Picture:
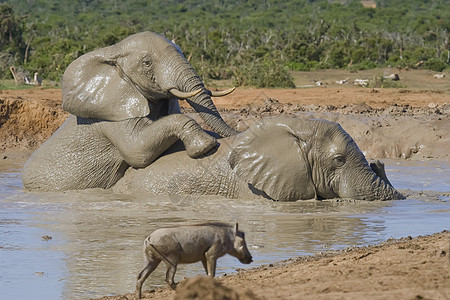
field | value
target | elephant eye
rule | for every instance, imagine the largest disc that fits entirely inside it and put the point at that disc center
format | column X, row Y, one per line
column 339, row 160
column 147, row 63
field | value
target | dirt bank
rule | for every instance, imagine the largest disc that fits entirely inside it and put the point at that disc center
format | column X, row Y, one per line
column 408, row 268
column 28, row 118
column 385, row 123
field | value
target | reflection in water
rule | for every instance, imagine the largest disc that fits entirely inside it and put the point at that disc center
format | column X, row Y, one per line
column 96, row 247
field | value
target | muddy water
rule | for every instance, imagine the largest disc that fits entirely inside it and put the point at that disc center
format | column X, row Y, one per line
column 96, row 235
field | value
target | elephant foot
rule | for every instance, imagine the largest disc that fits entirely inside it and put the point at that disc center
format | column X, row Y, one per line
column 196, row 141
column 199, row 144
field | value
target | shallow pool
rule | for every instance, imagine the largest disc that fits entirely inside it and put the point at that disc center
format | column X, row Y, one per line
column 96, row 236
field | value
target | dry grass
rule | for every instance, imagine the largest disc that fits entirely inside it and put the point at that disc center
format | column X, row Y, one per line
column 415, row 79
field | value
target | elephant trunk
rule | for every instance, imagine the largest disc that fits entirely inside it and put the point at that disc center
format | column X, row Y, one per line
column 188, row 81
column 204, row 106
column 370, row 187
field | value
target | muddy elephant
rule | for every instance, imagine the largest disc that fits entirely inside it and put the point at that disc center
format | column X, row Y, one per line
column 124, row 105
column 282, row 158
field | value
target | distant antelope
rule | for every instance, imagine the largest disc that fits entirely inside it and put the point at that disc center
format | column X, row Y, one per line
column 439, row 76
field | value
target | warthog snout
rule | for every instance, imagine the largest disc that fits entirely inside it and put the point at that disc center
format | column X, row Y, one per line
column 240, row 246
column 246, row 260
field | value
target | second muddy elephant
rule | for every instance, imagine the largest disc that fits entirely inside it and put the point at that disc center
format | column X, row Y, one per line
column 124, row 105
column 283, row 159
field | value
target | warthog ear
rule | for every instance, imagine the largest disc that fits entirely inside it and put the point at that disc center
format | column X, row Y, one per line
column 272, row 159
column 236, row 227
column 94, row 86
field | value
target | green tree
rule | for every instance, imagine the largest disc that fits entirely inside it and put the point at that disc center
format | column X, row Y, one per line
column 10, row 28
column 11, row 43
column 223, row 36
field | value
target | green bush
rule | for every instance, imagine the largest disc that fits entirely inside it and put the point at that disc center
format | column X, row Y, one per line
column 364, row 65
column 231, row 37
column 380, row 82
column 265, row 73
column 303, row 66
column 435, row 64
column 9, row 84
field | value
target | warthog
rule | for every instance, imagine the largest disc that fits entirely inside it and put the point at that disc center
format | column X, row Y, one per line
column 189, row 244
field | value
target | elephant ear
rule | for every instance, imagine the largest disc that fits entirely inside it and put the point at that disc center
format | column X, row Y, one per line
column 95, row 87
column 272, row 159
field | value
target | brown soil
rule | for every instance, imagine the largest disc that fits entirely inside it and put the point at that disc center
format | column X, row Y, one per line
column 408, row 268
column 385, row 123
column 405, row 123
column 337, row 96
column 28, row 118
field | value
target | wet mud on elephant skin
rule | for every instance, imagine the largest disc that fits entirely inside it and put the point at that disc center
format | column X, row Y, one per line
column 124, row 104
column 280, row 158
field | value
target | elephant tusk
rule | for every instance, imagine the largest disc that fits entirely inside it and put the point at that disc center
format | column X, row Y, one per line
column 222, row 93
column 183, row 95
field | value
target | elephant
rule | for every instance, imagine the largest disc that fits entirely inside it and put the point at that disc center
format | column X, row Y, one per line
column 281, row 158
column 123, row 101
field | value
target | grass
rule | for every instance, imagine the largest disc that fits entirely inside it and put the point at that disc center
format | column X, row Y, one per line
column 9, row 84
column 412, row 79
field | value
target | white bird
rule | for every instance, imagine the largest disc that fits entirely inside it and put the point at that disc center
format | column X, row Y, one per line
column 37, row 79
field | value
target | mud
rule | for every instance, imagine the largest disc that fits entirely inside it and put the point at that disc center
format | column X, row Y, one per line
column 207, row 288
column 28, row 118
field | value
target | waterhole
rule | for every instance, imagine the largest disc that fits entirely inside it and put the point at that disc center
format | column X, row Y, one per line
column 88, row 244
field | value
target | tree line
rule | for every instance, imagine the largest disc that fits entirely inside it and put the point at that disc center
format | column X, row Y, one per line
column 253, row 42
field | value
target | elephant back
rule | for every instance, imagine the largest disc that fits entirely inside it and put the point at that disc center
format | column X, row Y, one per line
column 64, row 162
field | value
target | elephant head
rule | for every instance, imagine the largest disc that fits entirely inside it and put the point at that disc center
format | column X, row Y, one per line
column 139, row 76
column 290, row 159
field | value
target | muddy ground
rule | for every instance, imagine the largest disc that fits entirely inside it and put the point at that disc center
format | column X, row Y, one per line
column 408, row 268
column 405, row 123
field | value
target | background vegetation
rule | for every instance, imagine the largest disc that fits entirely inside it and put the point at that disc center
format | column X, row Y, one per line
column 253, row 42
